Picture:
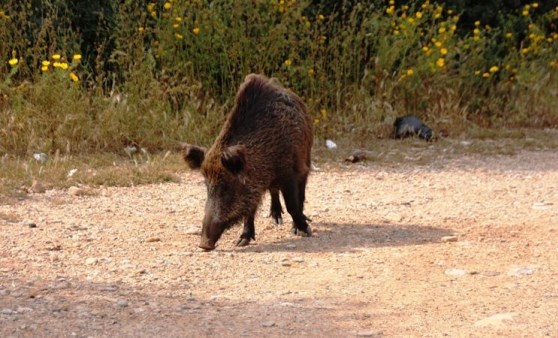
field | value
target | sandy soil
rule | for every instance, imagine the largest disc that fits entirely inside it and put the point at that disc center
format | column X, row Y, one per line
column 466, row 247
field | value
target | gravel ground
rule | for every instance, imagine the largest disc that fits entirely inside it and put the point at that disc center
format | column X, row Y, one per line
column 465, row 247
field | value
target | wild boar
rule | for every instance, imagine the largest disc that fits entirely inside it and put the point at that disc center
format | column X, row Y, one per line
column 264, row 144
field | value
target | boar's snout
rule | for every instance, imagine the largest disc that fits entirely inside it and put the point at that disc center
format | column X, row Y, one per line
column 206, row 244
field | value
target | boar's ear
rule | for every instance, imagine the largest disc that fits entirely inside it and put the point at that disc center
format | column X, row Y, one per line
column 193, row 155
column 234, row 159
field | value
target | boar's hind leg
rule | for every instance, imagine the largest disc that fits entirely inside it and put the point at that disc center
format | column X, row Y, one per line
column 292, row 197
column 276, row 209
column 248, row 232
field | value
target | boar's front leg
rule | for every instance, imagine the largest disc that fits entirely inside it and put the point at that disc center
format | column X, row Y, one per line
column 248, row 231
column 276, row 209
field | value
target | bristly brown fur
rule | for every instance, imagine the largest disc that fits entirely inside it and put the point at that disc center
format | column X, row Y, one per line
column 265, row 144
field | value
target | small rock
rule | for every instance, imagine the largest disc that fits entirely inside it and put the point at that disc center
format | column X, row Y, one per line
column 298, row 259
column 122, row 303
column 490, row 273
column 6, row 311
column 521, row 271
column 357, row 156
column 541, row 206
column 153, row 239
column 495, row 320
column 447, row 239
column 193, row 230
column 268, row 324
column 29, row 224
column 37, row 187
column 72, row 172
column 455, row 272
column 466, row 143
column 286, row 263
column 91, row 261
column 40, row 157
column 76, row 191
column 369, row 333
column 330, row 144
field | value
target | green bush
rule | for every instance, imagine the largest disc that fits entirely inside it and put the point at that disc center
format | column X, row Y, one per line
column 157, row 73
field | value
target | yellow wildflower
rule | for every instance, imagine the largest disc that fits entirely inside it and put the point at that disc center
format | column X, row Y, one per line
column 476, row 31
column 485, row 75
column 477, row 72
column 167, row 5
column 56, row 57
column 442, row 30
column 425, row 49
column 63, row 65
column 321, row 17
column 390, row 10
column 438, row 44
column 310, row 72
column 410, row 72
column 525, row 13
column 74, row 77
column 477, row 23
column 196, row 30
column 76, row 57
column 418, row 15
column 411, row 20
column 45, row 63
column 141, row 29
column 178, row 36
column 150, row 7
column 44, row 68
column 178, row 19
column 288, row 63
column 509, row 35
column 443, row 51
column 13, row 62
column 175, row 25
column 535, row 5
column 494, row 69
column 441, row 62
column 56, row 64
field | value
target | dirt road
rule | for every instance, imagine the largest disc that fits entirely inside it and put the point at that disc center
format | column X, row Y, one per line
column 466, row 247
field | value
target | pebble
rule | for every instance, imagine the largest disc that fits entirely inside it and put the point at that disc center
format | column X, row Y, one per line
column 447, row 239
column 455, row 272
column 521, row 271
column 268, row 324
column 286, row 263
column 298, row 259
column 6, row 311
column 153, row 239
column 91, row 261
column 122, row 303
column 193, row 230
column 76, row 191
column 29, row 224
column 369, row 333
column 37, row 187
column 495, row 320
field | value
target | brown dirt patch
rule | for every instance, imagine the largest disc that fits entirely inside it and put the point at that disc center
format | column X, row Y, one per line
column 120, row 261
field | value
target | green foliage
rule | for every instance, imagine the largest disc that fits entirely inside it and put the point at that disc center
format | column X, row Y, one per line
column 77, row 76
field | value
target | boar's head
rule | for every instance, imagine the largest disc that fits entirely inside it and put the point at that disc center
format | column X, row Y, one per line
column 229, row 197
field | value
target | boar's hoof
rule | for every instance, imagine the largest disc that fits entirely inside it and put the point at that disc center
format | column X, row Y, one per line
column 302, row 233
column 278, row 220
column 243, row 241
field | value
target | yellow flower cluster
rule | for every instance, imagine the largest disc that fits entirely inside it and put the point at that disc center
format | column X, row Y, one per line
column 59, row 63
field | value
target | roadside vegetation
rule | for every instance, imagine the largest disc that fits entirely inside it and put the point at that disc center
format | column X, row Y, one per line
column 77, row 80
